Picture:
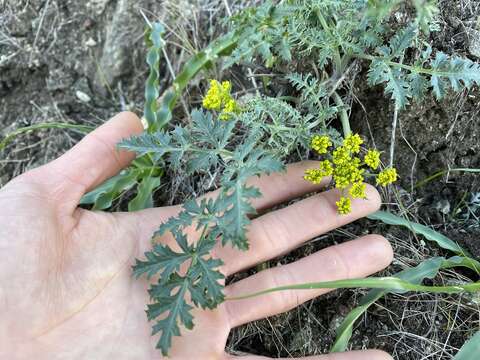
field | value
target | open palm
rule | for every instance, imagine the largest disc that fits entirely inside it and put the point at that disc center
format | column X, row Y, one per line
column 66, row 290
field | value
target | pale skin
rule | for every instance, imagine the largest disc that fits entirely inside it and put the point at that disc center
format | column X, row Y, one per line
column 66, row 287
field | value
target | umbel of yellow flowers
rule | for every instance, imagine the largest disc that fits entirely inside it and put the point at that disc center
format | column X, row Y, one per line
column 347, row 168
column 218, row 98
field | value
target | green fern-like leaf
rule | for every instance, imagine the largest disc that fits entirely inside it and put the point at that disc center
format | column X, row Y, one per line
column 206, row 142
column 236, row 202
column 396, row 84
column 460, row 72
column 200, row 283
column 401, row 41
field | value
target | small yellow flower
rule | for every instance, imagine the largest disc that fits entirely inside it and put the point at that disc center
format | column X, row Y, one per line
column 229, row 109
column 372, row 159
column 344, row 205
column 320, row 143
column 387, row 176
column 357, row 190
column 341, row 156
column 214, row 96
column 326, row 168
column 218, row 98
column 226, row 87
column 352, row 143
column 313, row 175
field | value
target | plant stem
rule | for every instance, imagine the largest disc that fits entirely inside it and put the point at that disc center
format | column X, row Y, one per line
column 83, row 129
column 442, row 172
column 343, row 114
column 389, row 283
column 414, row 69
column 326, row 28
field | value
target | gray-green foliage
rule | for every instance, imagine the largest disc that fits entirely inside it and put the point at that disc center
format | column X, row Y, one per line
column 334, row 33
column 237, row 150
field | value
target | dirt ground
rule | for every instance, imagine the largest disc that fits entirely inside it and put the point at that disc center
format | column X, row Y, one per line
column 81, row 62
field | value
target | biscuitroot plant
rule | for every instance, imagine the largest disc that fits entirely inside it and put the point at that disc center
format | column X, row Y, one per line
column 307, row 52
column 230, row 140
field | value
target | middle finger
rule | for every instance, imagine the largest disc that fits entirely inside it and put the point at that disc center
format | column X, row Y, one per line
column 280, row 231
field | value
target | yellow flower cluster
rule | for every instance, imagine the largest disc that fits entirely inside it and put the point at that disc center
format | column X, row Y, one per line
column 315, row 176
column 344, row 205
column 387, row 176
column 218, row 98
column 372, row 159
column 357, row 190
column 352, row 143
column 347, row 169
column 347, row 172
column 320, row 143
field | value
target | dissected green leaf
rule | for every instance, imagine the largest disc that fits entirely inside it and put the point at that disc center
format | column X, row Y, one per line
column 396, row 84
column 401, row 41
column 178, row 312
column 162, row 260
column 460, row 72
column 418, row 85
column 235, row 200
column 199, row 282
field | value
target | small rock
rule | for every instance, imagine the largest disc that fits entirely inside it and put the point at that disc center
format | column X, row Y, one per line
column 82, row 96
column 3, row 60
column 98, row 6
column 443, row 206
column 58, row 79
column 90, row 42
column 474, row 43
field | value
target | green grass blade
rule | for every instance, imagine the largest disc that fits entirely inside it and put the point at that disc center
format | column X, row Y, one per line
column 103, row 196
column 429, row 234
column 144, row 198
column 83, row 129
column 441, row 173
column 156, row 42
column 470, row 350
column 427, row 269
column 220, row 47
column 389, row 283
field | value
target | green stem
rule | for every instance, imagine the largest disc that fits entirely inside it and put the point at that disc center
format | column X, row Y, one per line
column 326, row 28
column 388, row 283
column 442, row 172
column 343, row 114
column 52, row 125
column 414, row 69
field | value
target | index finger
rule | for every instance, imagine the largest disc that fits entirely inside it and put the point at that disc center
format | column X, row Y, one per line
column 276, row 188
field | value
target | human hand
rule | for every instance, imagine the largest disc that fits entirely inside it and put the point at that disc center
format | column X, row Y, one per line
column 66, row 289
